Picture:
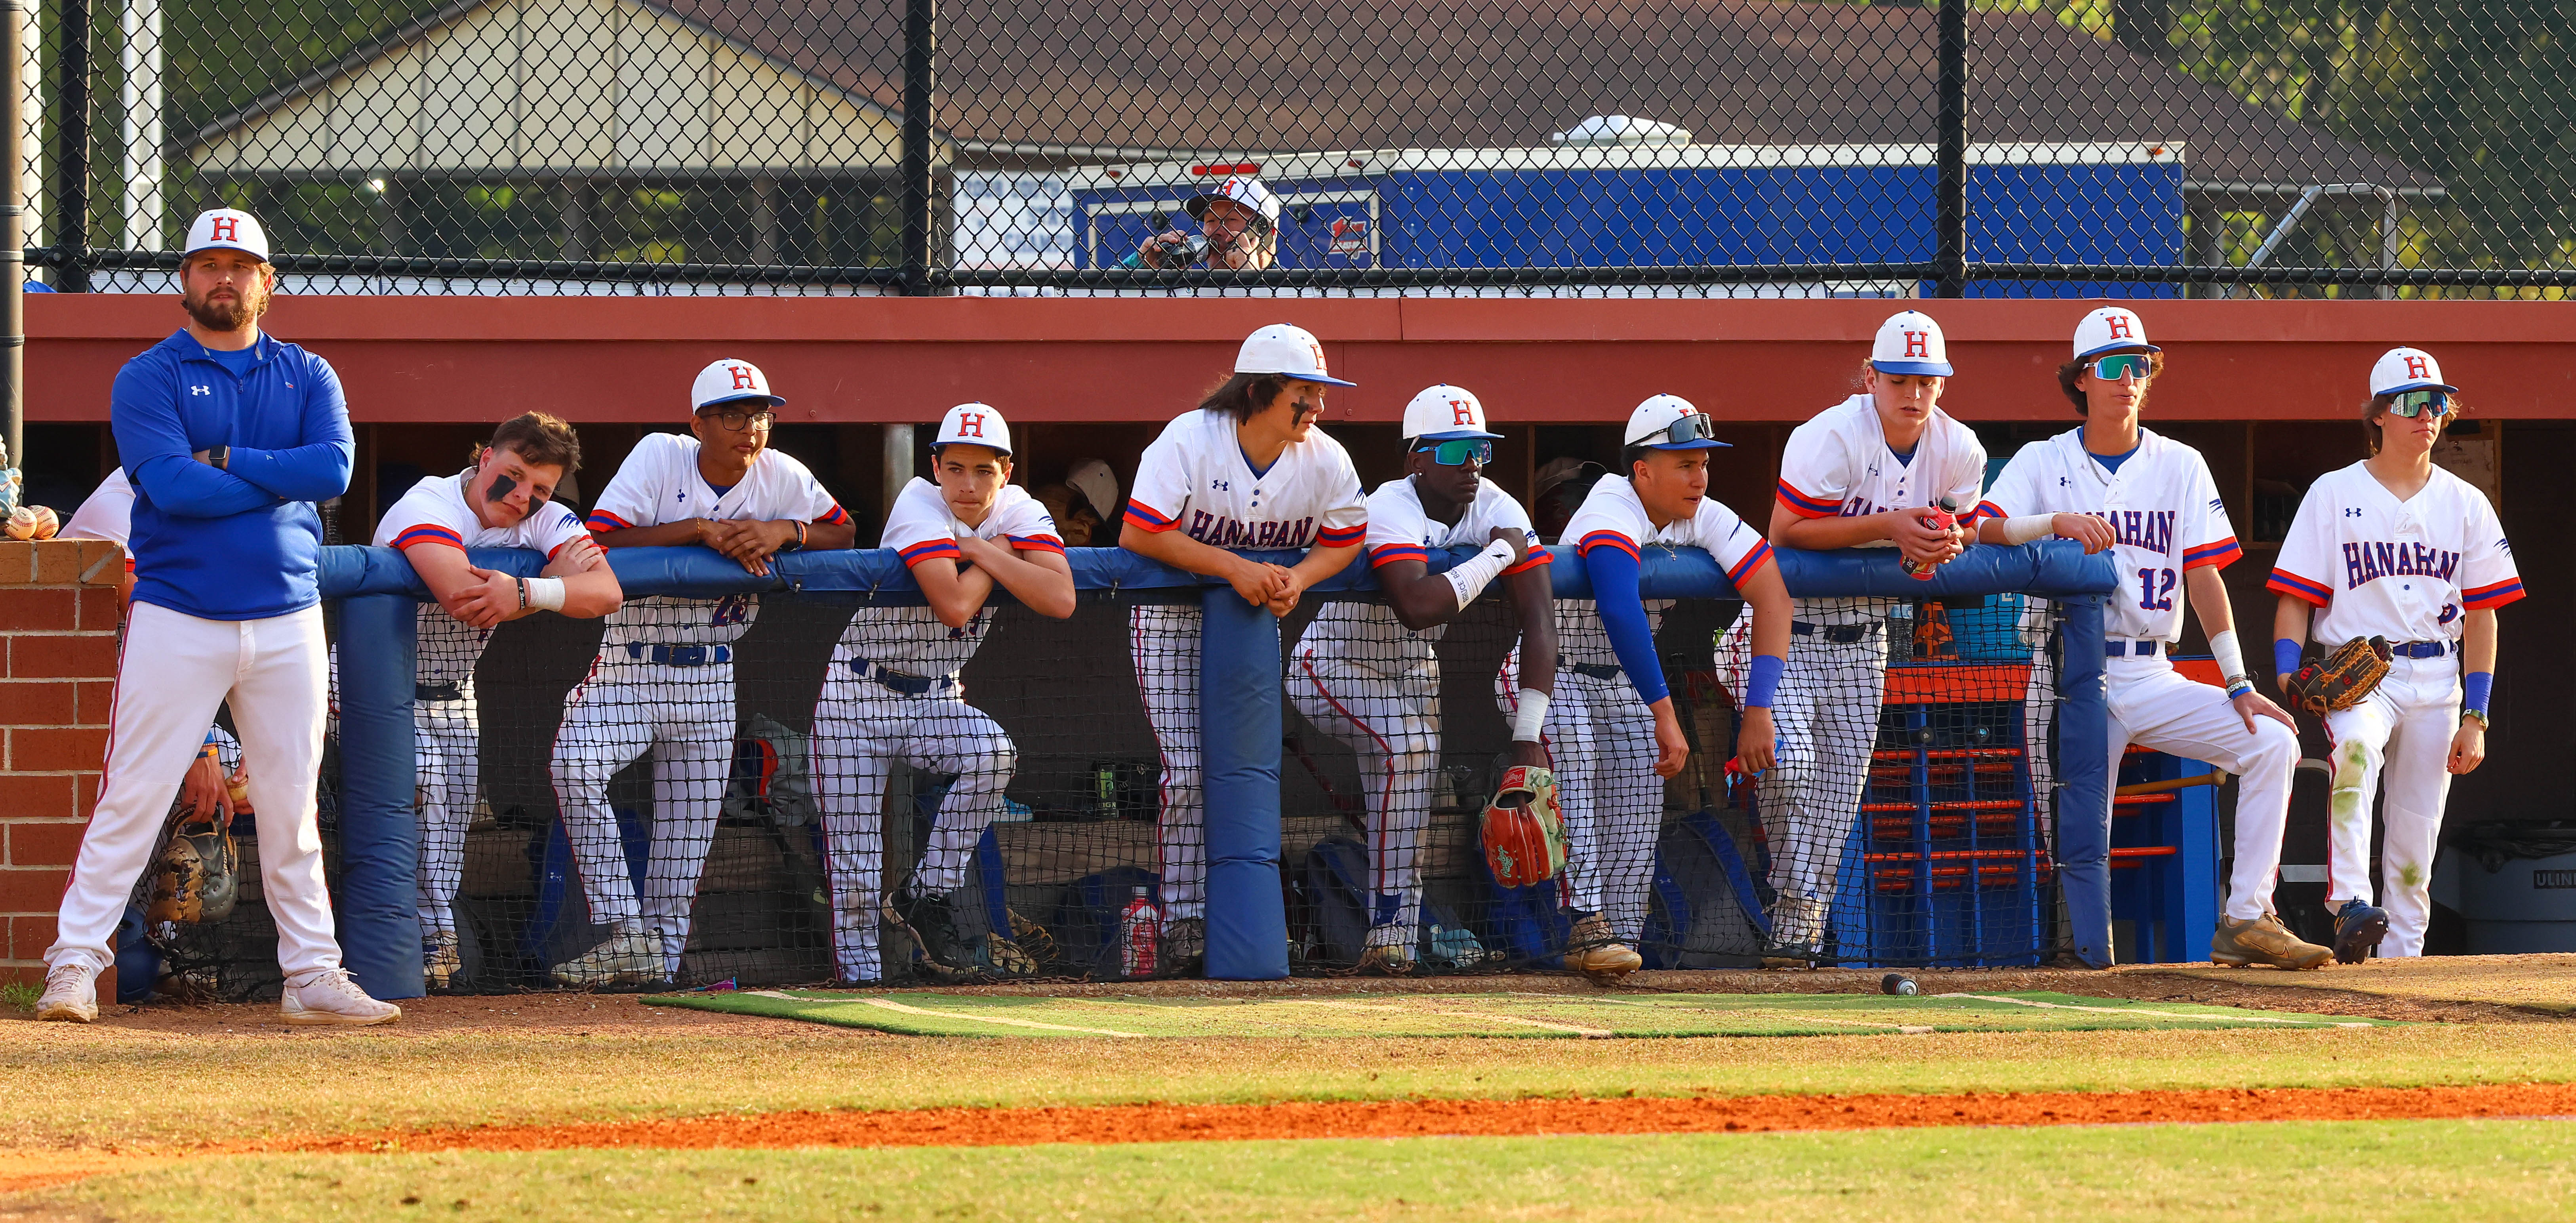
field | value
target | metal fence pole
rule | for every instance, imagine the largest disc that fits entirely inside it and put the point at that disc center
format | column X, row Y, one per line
column 920, row 62
column 13, row 232
column 1950, row 205
column 71, row 152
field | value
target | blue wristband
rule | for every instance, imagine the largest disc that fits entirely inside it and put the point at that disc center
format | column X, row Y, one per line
column 2475, row 688
column 211, row 732
column 2285, row 655
column 1764, row 681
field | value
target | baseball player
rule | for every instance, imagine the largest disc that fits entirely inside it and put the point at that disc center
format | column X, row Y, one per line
column 1246, row 469
column 663, row 681
column 1608, row 736
column 1365, row 673
column 2115, row 484
column 893, row 692
column 505, row 499
column 2395, row 547
column 228, row 436
column 1860, row 474
column 1239, row 231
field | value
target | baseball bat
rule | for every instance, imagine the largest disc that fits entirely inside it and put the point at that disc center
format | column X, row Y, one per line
column 2212, row 778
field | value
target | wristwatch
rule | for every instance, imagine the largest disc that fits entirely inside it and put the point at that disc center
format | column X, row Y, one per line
column 218, row 455
column 2480, row 715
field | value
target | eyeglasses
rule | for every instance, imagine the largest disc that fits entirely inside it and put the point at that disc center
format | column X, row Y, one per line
column 2417, row 403
column 1696, row 427
column 2122, row 364
column 738, row 420
column 1456, row 451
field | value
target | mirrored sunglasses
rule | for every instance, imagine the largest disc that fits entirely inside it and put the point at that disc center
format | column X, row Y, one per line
column 2123, row 364
column 1458, row 450
column 2416, row 403
column 1696, row 427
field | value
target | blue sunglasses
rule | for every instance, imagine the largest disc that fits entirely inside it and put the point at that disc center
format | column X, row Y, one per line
column 2417, row 403
column 1458, row 450
column 2113, row 367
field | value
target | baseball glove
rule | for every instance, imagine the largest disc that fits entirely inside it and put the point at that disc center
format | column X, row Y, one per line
column 195, row 879
column 2341, row 679
column 1523, row 829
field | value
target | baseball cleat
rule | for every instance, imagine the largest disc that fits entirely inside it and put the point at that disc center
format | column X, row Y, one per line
column 330, row 999
column 1182, row 951
column 71, row 993
column 1590, row 950
column 2358, row 929
column 440, row 961
column 933, row 926
column 2263, row 940
column 628, row 957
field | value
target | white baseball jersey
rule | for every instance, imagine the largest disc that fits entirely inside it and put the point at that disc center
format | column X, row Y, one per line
column 1839, row 462
column 435, row 512
column 1613, row 517
column 2403, row 570
column 658, row 483
column 921, row 527
column 1196, row 480
column 108, row 514
column 2163, row 509
column 1400, row 530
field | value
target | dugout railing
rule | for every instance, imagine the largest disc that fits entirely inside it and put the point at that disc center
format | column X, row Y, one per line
column 1954, row 856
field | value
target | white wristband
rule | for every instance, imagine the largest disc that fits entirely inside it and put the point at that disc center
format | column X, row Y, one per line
column 2230, row 659
column 547, row 593
column 1472, row 575
column 2028, row 527
column 1529, row 718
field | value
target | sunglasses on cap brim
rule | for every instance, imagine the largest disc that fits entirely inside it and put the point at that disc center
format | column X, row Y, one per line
column 1458, row 450
column 1694, row 429
column 2411, row 404
column 2123, row 364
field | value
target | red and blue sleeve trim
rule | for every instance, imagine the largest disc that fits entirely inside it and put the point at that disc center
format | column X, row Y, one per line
column 1537, row 556
column 1805, row 506
column 2285, row 582
column 1988, row 509
column 2221, row 553
column 602, row 520
column 1751, row 564
column 1145, row 517
column 1036, row 543
column 933, row 549
column 551, row 552
column 2497, row 595
column 1391, row 553
column 1607, row 539
column 835, row 515
column 1342, row 537
column 428, row 533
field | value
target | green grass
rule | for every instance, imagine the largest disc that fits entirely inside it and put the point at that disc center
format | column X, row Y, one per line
column 2338, row 1172
column 21, row 997
column 1516, row 1015
column 71, row 1086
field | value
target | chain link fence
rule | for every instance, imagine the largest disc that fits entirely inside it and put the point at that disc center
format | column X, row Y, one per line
column 1490, row 147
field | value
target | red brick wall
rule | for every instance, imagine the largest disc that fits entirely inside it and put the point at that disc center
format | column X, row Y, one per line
column 58, row 619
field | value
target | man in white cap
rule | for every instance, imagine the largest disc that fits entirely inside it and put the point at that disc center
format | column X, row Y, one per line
column 1860, row 474
column 1613, row 726
column 1365, row 673
column 2115, row 484
column 228, row 437
column 1239, row 231
column 894, row 693
column 2396, row 548
column 1248, row 470
column 663, row 681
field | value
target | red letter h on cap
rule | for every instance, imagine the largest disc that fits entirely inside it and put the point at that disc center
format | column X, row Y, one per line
column 742, row 378
column 1916, row 344
column 226, row 229
column 970, row 424
column 2119, row 325
column 2415, row 368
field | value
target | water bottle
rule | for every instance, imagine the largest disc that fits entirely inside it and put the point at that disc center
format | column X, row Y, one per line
column 1139, row 926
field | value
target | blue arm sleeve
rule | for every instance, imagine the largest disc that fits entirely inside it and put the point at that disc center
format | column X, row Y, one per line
column 1623, row 617
column 318, row 470
column 153, row 445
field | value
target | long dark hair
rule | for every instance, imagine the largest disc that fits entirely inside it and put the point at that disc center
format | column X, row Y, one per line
column 1244, row 396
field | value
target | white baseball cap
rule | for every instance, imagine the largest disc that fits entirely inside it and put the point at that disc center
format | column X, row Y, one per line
column 1097, row 484
column 1910, row 343
column 1445, row 413
column 1242, row 189
column 2111, row 329
column 2406, row 369
column 1674, row 419
column 975, row 424
column 728, row 380
column 227, row 229
column 1285, row 348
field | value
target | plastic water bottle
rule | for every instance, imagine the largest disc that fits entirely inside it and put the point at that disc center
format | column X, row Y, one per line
column 1139, row 927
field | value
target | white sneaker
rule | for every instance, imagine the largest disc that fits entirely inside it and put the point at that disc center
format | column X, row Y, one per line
column 71, row 993
column 439, row 961
column 329, row 997
column 628, row 957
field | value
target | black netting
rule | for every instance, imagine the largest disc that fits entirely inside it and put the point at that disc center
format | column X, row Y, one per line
column 1690, row 147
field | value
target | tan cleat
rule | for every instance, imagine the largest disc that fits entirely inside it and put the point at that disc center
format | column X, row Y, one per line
column 330, row 999
column 1590, row 950
column 440, row 961
column 2263, row 940
column 71, row 993
column 629, row 957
